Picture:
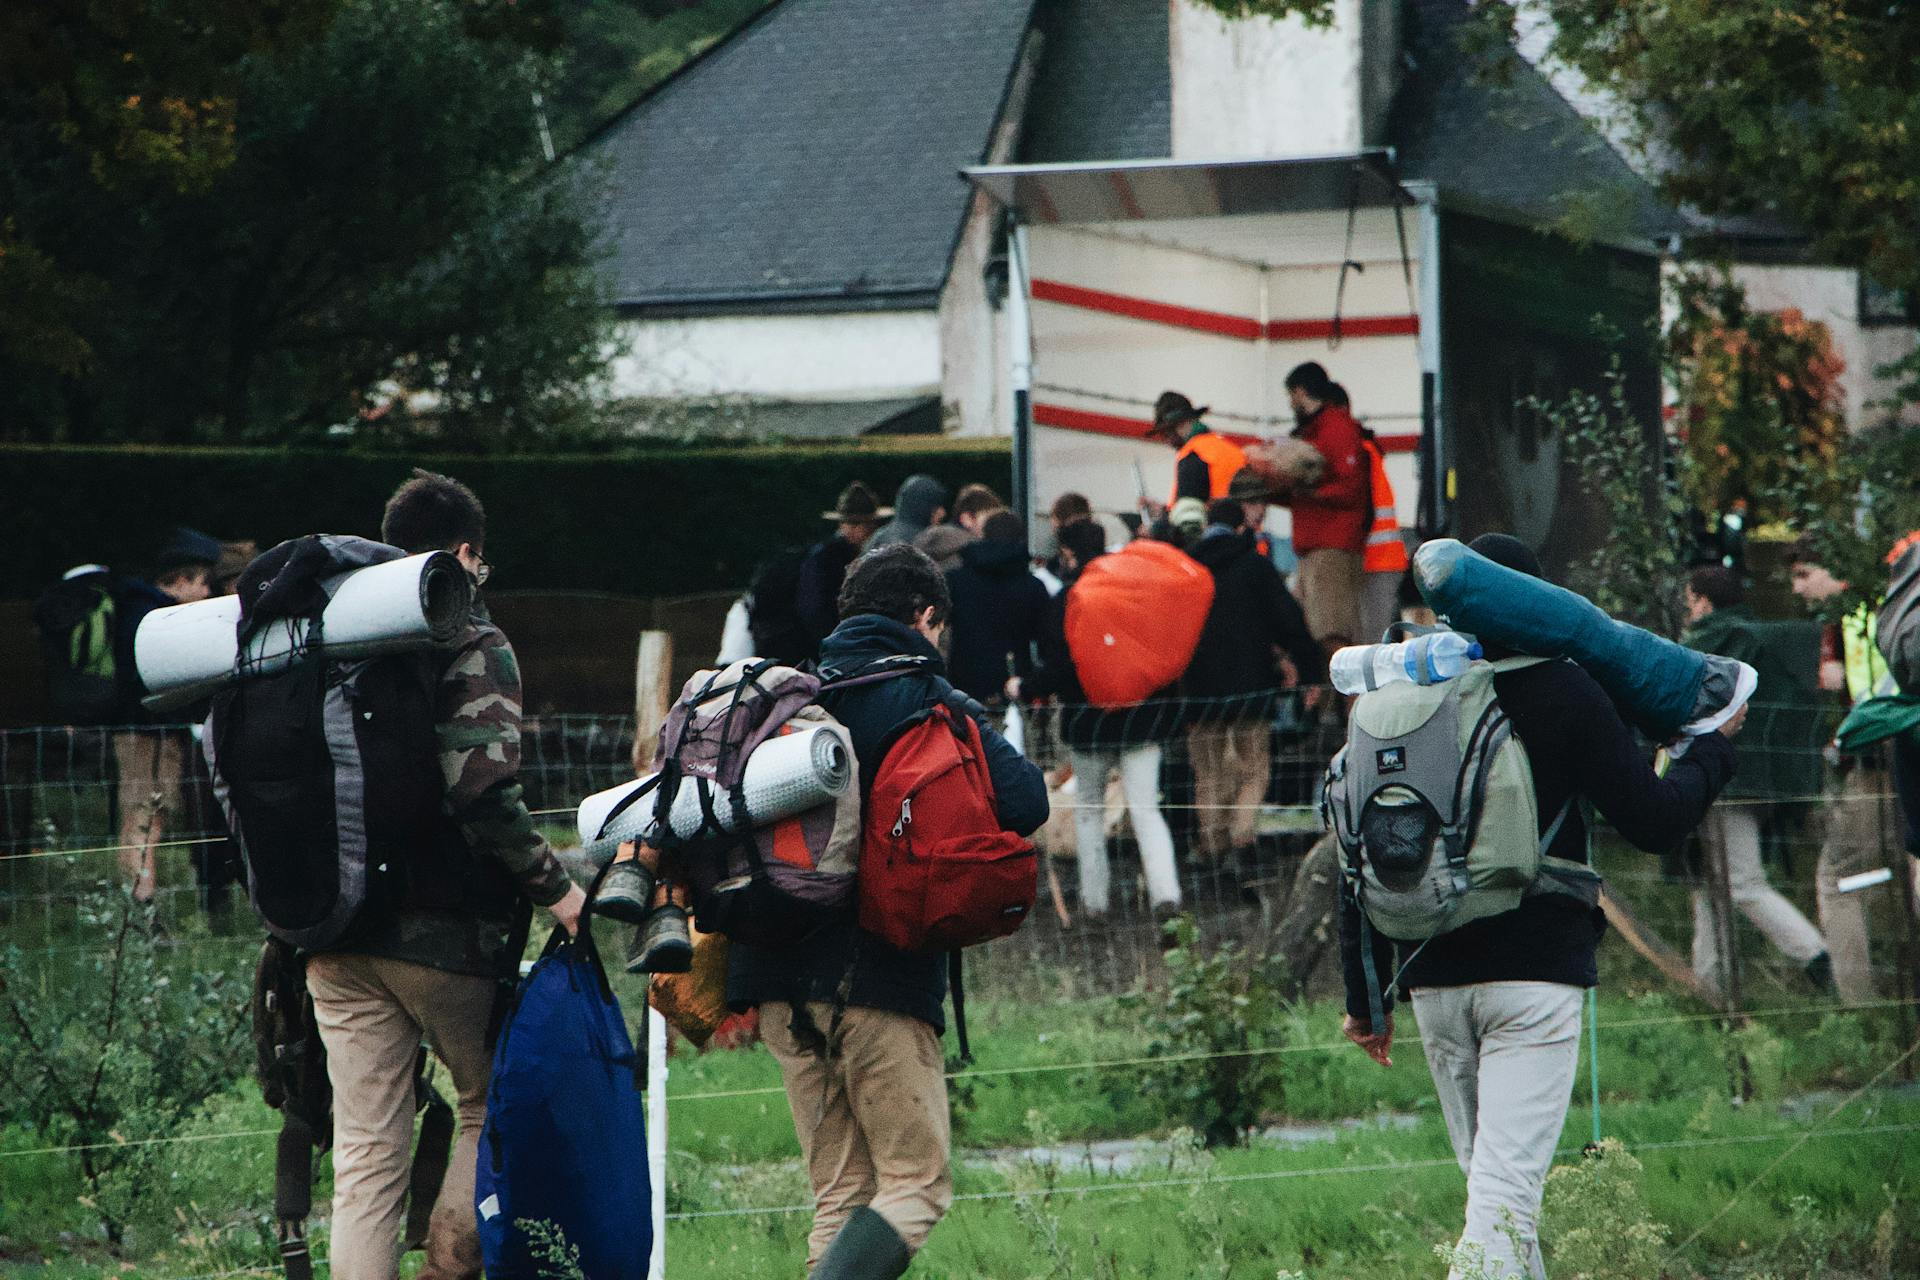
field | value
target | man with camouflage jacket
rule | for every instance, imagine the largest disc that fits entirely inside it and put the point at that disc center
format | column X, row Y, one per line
column 432, row 972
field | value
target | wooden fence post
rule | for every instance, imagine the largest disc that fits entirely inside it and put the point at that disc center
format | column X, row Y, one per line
column 652, row 695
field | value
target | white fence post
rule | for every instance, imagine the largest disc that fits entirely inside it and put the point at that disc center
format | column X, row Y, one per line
column 657, row 1137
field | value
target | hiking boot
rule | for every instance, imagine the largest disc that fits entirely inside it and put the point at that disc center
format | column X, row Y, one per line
column 664, row 943
column 626, row 893
column 1820, row 973
column 866, row 1248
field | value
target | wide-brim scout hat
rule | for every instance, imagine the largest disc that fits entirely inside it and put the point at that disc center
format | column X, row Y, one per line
column 858, row 505
column 1173, row 410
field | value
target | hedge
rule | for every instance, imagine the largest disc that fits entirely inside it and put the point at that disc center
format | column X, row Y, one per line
column 654, row 522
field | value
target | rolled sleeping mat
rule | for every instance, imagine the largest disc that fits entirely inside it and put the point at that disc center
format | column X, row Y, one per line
column 185, row 652
column 785, row 776
column 1666, row 689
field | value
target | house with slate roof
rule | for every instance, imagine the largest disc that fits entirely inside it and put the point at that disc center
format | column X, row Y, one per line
column 793, row 250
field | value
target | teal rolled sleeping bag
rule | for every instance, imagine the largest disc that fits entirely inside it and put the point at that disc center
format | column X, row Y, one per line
column 1659, row 686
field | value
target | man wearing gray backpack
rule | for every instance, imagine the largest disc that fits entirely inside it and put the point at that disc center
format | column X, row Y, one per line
column 1479, row 902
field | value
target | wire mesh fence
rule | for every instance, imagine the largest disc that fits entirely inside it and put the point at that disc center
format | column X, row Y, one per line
column 1204, row 808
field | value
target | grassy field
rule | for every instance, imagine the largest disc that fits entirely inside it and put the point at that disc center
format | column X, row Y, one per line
column 1373, row 1196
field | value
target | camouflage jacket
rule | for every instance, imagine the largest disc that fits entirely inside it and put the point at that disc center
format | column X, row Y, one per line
column 477, row 722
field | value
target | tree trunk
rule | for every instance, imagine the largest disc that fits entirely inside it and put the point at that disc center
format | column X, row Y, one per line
column 1310, row 932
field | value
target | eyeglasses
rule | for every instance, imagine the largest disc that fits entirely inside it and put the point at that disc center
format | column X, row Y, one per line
column 481, row 570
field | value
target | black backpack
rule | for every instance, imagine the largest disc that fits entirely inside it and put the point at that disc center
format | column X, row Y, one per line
column 773, row 608
column 330, row 771
column 78, row 621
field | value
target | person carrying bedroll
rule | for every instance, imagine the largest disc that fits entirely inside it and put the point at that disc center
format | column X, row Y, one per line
column 1489, row 902
column 854, row 1022
column 415, row 942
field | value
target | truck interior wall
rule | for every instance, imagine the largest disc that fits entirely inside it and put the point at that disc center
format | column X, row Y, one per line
column 1111, row 359
column 1527, row 314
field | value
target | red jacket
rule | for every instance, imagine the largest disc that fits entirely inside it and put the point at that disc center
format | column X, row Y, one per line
column 1335, row 516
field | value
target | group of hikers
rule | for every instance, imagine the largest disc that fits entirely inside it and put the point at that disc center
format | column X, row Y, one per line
column 958, row 617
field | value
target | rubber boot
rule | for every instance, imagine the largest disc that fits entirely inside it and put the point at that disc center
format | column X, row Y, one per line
column 664, row 944
column 625, row 893
column 866, row 1248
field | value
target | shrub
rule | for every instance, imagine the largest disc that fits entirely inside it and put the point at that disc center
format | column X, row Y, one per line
column 123, row 1051
column 1218, row 1012
column 1596, row 1215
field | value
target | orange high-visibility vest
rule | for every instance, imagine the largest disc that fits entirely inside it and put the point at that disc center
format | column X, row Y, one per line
column 1223, row 457
column 1386, row 552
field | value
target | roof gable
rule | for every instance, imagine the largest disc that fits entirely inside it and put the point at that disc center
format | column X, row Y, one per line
column 811, row 156
column 1509, row 141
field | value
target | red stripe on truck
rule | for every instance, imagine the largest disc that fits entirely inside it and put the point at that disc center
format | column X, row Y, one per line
column 1113, row 424
column 1219, row 322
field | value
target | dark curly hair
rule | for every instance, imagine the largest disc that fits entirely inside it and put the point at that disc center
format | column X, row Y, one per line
column 432, row 512
column 895, row 582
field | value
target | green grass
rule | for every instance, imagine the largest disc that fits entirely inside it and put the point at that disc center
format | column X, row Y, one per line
column 1664, row 1081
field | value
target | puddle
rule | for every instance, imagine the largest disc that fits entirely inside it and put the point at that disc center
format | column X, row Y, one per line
column 1122, row 1155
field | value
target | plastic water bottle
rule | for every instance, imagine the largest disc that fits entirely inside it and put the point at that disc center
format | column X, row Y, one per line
column 1428, row 659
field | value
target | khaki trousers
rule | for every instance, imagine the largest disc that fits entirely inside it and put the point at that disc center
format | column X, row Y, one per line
column 373, row 1013
column 1502, row 1056
column 1852, row 841
column 1330, row 595
column 872, row 1119
column 1232, row 764
column 150, row 764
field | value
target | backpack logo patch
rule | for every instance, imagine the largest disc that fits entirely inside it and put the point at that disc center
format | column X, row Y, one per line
column 1390, row 759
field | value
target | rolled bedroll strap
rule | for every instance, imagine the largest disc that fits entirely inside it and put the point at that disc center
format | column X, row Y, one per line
column 1662, row 687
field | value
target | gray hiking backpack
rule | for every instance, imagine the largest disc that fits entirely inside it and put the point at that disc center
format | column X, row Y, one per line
column 1432, row 802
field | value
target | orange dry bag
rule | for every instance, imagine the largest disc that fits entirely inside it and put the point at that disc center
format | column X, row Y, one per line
column 1134, row 619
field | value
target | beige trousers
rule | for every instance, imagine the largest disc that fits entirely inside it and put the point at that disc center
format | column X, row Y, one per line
column 150, row 764
column 872, row 1119
column 1330, row 595
column 1503, row 1056
column 373, row 1013
column 1232, row 764
column 1379, row 605
column 1731, row 832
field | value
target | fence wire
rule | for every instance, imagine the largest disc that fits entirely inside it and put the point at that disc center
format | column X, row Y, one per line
column 1235, row 783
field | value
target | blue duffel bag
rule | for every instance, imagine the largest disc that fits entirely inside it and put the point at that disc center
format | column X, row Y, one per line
column 565, row 1143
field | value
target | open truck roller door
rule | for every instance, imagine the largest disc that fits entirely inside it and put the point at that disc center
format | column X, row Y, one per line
column 1216, row 279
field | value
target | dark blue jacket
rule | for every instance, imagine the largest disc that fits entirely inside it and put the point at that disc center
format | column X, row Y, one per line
column 998, row 606
column 884, row 977
column 133, row 600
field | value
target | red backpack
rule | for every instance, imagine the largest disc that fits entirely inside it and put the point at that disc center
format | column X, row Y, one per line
column 936, row 870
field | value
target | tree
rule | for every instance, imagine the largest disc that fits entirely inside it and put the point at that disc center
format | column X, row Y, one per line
column 1805, row 110
column 134, row 96
column 382, row 242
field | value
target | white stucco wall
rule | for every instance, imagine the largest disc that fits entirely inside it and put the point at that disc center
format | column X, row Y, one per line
column 1257, row 87
column 1831, row 296
column 859, row 355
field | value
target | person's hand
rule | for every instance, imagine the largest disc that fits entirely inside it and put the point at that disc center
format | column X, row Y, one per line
column 1833, row 675
column 1311, row 697
column 1377, row 1047
column 1733, row 726
column 567, row 911
column 1013, row 688
column 1289, row 673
